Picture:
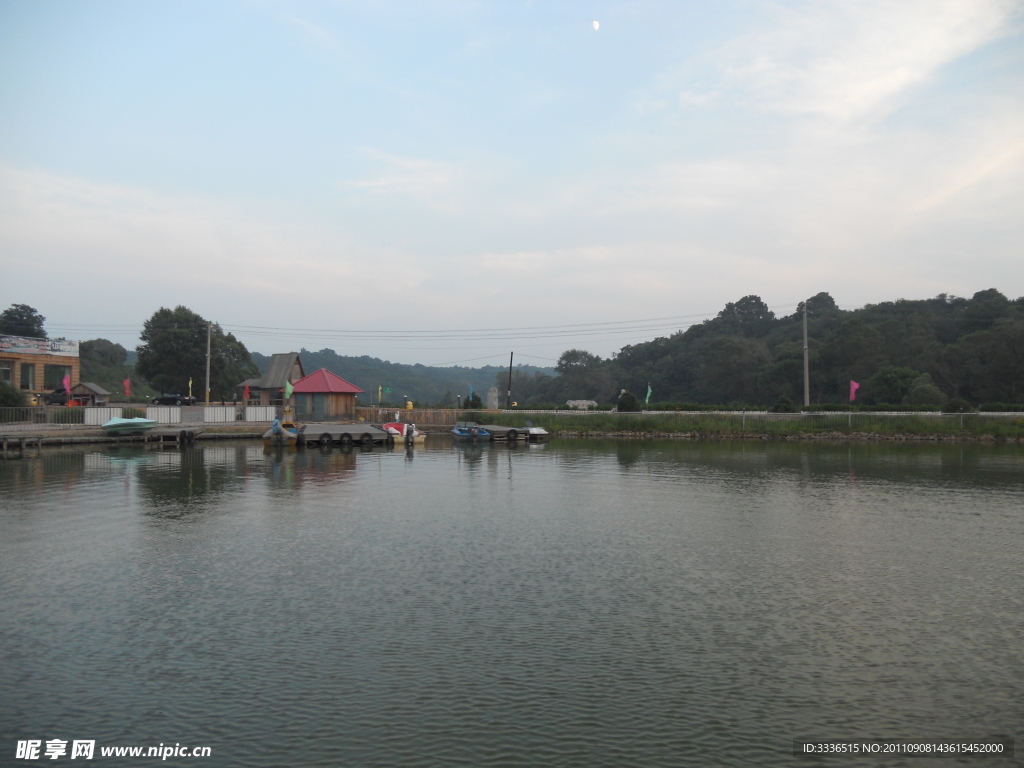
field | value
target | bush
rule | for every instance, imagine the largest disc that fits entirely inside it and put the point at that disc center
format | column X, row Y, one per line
column 1001, row 407
column 957, row 405
column 924, row 392
column 783, row 405
column 133, row 413
column 10, row 396
column 628, row 403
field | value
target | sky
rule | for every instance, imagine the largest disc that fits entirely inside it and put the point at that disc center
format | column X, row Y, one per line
column 449, row 182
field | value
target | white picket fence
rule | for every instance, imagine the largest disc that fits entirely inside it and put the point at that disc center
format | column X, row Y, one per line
column 218, row 413
column 260, row 412
column 94, row 417
column 164, row 414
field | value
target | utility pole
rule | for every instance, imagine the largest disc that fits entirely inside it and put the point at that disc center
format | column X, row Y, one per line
column 807, row 367
column 508, row 400
column 209, row 329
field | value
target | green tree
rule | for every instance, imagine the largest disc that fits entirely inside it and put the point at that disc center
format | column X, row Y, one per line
column 103, row 352
column 628, row 403
column 173, row 350
column 750, row 316
column 104, row 363
column 890, row 384
column 22, row 320
column 730, row 369
column 924, row 392
column 817, row 306
column 11, row 397
column 577, row 367
column 783, row 405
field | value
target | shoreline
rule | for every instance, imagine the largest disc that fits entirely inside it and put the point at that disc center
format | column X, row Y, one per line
column 12, row 443
column 864, row 437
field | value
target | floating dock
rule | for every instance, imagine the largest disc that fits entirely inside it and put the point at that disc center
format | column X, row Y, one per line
column 346, row 434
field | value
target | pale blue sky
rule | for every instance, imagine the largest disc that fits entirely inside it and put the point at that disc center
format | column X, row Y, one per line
column 406, row 167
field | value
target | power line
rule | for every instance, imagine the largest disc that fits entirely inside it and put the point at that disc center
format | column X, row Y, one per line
column 594, row 331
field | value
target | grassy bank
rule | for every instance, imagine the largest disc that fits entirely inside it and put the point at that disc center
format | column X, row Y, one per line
column 771, row 424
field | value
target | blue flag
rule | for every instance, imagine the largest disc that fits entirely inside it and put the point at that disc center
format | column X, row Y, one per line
column 648, row 400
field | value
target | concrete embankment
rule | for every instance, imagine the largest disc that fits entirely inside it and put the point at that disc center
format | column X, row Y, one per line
column 49, row 437
column 859, row 436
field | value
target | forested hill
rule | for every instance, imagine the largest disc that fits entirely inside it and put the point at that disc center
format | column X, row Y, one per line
column 920, row 352
column 422, row 383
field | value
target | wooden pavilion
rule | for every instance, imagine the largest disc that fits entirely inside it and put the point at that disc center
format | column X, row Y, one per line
column 323, row 395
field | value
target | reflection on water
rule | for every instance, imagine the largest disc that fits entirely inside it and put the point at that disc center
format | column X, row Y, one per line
column 590, row 603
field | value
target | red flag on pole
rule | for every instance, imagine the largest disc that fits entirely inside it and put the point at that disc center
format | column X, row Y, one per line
column 245, row 393
column 127, row 387
column 854, row 386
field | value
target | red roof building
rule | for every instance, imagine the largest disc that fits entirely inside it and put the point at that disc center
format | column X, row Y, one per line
column 324, row 395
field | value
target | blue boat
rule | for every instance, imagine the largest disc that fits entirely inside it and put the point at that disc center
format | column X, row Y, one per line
column 470, row 430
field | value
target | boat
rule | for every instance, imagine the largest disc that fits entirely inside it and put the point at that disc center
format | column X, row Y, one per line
column 511, row 434
column 470, row 430
column 405, row 432
column 137, row 426
column 283, row 431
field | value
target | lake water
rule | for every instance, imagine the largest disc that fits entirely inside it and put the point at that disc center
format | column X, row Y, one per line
column 581, row 603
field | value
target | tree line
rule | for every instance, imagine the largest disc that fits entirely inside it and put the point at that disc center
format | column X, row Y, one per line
column 910, row 352
column 916, row 352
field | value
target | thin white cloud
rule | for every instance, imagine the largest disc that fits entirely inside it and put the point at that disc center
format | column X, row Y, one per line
column 164, row 245
column 313, row 31
column 432, row 182
column 854, row 59
column 1004, row 160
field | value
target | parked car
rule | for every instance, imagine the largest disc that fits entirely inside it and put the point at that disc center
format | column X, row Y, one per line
column 59, row 396
column 174, row 399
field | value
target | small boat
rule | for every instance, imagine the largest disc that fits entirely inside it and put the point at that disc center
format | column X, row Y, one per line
column 137, row 426
column 537, row 433
column 283, row 432
column 403, row 432
column 470, row 430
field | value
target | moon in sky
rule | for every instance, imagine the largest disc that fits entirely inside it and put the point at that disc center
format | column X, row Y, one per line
column 597, row 25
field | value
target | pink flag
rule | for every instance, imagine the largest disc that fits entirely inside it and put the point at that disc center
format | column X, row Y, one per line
column 66, row 381
column 854, row 386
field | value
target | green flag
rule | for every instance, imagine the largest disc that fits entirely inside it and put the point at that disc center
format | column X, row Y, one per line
column 287, row 390
column 648, row 400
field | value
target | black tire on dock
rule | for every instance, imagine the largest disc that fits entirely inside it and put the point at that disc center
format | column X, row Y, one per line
column 326, row 439
column 191, row 436
column 182, row 436
column 511, row 435
column 390, row 441
column 366, row 439
column 346, row 438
